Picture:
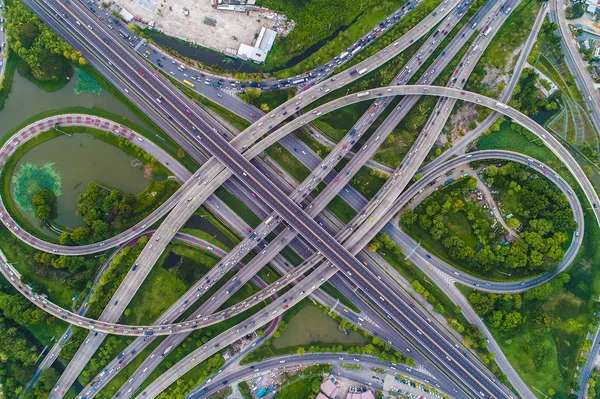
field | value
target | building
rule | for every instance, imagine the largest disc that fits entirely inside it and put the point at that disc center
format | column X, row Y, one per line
column 328, row 387
column 126, row 15
column 360, row 395
column 258, row 52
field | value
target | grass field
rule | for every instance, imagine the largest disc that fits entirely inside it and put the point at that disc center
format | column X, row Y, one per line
column 315, row 21
column 288, row 162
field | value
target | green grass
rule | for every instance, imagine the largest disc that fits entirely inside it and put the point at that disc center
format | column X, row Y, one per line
column 511, row 35
column 366, row 183
column 9, row 73
column 341, row 209
column 350, row 366
column 238, row 207
column 157, row 293
column 315, row 21
column 300, row 385
column 288, row 162
column 335, row 294
column 274, row 98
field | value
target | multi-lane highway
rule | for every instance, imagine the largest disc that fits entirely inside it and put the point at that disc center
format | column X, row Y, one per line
column 288, row 210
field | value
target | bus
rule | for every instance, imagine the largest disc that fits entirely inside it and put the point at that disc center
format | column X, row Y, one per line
column 296, row 82
column 187, row 82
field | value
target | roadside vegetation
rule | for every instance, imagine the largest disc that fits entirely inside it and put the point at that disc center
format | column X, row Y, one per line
column 546, row 355
column 304, row 383
column 315, row 20
column 500, row 55
column 435, row 296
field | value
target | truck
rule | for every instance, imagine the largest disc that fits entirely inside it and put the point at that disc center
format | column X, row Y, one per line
column 352, row 132
column 487, row 31
column 356, row 50
column 363, row 71
column 344, row 55
column 364, row 93
column 269, row 220
column 187, row 82
column 450, row 180
column 298, row 81
column 502, row 105
column 124, row 33
column 167, row 350
column 148, row 333
column 252, row 236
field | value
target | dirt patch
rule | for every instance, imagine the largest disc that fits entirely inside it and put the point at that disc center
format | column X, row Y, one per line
column 462, row 119
column 231, row 28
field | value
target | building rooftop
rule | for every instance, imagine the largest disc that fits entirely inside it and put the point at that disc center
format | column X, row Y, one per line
column 258, row 52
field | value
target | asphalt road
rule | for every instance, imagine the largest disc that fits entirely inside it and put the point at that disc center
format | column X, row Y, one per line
column 216, row 140
column 439, row 89
column 575, row 62
column 460, row 146
column 290, row 361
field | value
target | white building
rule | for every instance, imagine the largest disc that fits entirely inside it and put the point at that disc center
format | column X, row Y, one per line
column 258, row 52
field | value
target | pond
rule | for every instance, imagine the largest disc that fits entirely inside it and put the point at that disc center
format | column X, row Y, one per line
column 27, row 100
column 206, row 56
column 199, row 223
column 310, row 325
column 80, row 160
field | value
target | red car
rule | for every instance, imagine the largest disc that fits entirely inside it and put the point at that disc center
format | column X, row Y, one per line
column 188, row 111
column 254, row 195
column 253, row 116
column 155, row 74
column 336, row 178
column 141, row 73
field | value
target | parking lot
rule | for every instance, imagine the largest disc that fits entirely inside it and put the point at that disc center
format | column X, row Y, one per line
column 231, row 29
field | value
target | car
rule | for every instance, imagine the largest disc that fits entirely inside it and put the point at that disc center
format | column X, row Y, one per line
column 252, row 115
column 187, row 111
column 141, row 74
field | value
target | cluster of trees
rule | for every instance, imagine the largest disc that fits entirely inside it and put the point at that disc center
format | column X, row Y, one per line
column 575, row 11
column 504, row 312
column 107, row 212
column 98, row 207
column 383, row 241
column 43, row 203
column 526, row 95
column 111, row 278
column 44, row 54
column 18, row 349
column 252, row 95
column 543, row 213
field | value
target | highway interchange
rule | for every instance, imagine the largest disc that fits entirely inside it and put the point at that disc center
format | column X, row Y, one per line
column 214, row 143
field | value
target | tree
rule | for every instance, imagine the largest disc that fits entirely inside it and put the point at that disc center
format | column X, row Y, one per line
column 180, row 153
column 408, row 217
column 301, row 351
column 81, row 234
column 513, row 223
column 264, row 107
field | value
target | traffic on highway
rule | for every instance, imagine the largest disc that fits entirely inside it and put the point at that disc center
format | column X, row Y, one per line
column 294, row 215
